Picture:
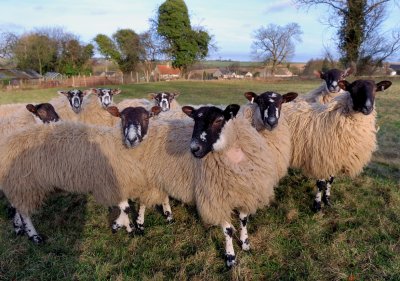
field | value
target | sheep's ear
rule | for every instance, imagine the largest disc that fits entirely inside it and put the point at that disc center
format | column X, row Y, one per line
column 63, row 93
column 318, row 74
column 175, row 95
column 151, row 96
column 250, row 96
column 289, row 97
column 231, row 111
column 115, row 91
column 383, row 85
column 347, row 72
column 114, row 111
column 31, row 108
column 344, row 85
column 188, row 110
column 155, row 110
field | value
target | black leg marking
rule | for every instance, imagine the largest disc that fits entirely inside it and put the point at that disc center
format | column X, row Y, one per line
column 244, row 221
column 139, row 228
column 229, row 231
column 230, row 260
column 127, row 210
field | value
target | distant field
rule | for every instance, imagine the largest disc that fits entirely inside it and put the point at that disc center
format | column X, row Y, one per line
column 358, row 238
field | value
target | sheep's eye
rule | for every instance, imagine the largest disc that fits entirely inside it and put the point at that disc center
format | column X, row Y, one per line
column 219, row 120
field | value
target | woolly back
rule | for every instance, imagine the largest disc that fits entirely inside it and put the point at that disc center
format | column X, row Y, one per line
column 20, row 119
column 330, row 139
column 63, row 108
column 134, row 103
column 278, row 140
column 70, row 156
column 168, row 161
column 320, row 95
column 238, row 176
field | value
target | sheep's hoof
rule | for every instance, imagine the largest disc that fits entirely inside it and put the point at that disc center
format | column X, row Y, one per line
column 230, row 260
column 115, row 227
column 316, row 206
column 327, row 201
column 37, row 239
column 11, row 212
column 245, row 244
column 139, row 229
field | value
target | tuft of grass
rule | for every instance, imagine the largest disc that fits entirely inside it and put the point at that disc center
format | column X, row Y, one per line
column 358, row 237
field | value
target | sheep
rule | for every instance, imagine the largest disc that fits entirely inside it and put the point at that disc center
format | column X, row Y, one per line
column 329, row 88
column 167, row 101
column 335, row 138
column 239, row 174
column 70, row 110
column 264, row 113
column 94, row 109
column 76, row 157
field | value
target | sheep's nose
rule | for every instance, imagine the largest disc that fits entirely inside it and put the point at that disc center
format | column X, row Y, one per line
column 272, row 121
column 76, row 103
column 194, row 147
column 366, row 110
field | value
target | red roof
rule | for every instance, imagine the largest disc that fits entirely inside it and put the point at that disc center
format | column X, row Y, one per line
column 165, row 69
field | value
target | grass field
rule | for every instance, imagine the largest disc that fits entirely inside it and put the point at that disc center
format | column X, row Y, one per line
column 358, row 238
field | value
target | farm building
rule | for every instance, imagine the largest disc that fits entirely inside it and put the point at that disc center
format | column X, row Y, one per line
column 166, row 72
column 15, row 76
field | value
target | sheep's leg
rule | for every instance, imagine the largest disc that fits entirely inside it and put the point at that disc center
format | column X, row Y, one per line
column 140, row 220
column 229, row 251
column 327, row 193
column 18, row 223
column 30, row 229
column 167, row 209
column 123, row 218
column 321, row 186
column 244, row 237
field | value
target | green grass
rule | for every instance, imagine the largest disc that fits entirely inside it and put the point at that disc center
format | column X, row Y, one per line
column 358, row 236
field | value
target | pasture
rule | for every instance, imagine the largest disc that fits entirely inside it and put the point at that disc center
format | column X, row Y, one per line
column 358, row 238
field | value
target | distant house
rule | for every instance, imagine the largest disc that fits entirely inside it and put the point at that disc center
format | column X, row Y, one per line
column 52, row 76
column 166, row 72
column 15, row 76
column 248, row 75
column 395, row 68
column 224, row 74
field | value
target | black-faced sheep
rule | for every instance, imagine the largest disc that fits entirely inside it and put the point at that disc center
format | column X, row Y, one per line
column 76, row 158
column 94, row 110
column 335, row 138
column 329, row 88
column 167, row 101
column 70, row 110
column 239, row 174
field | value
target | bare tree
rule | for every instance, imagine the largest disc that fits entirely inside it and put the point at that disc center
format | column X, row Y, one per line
column 360, row 39
column 7, row 43
column 275, row 44
column 152, row 45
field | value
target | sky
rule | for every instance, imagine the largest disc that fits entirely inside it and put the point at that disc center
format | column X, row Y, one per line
column 231, row 22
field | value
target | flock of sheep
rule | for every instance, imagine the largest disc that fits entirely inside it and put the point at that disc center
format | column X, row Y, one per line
column 220, row 159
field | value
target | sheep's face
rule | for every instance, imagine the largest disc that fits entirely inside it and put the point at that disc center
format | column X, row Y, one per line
column 363, row 92
column 269, row 104
column 332, row 78
column 75, row 98
column 106, row 95
column 208, row 124
column 163, row 99
column 134, row 123
column 43, row 112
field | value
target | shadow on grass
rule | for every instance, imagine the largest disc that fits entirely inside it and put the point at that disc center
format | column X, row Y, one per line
column 60, row 221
